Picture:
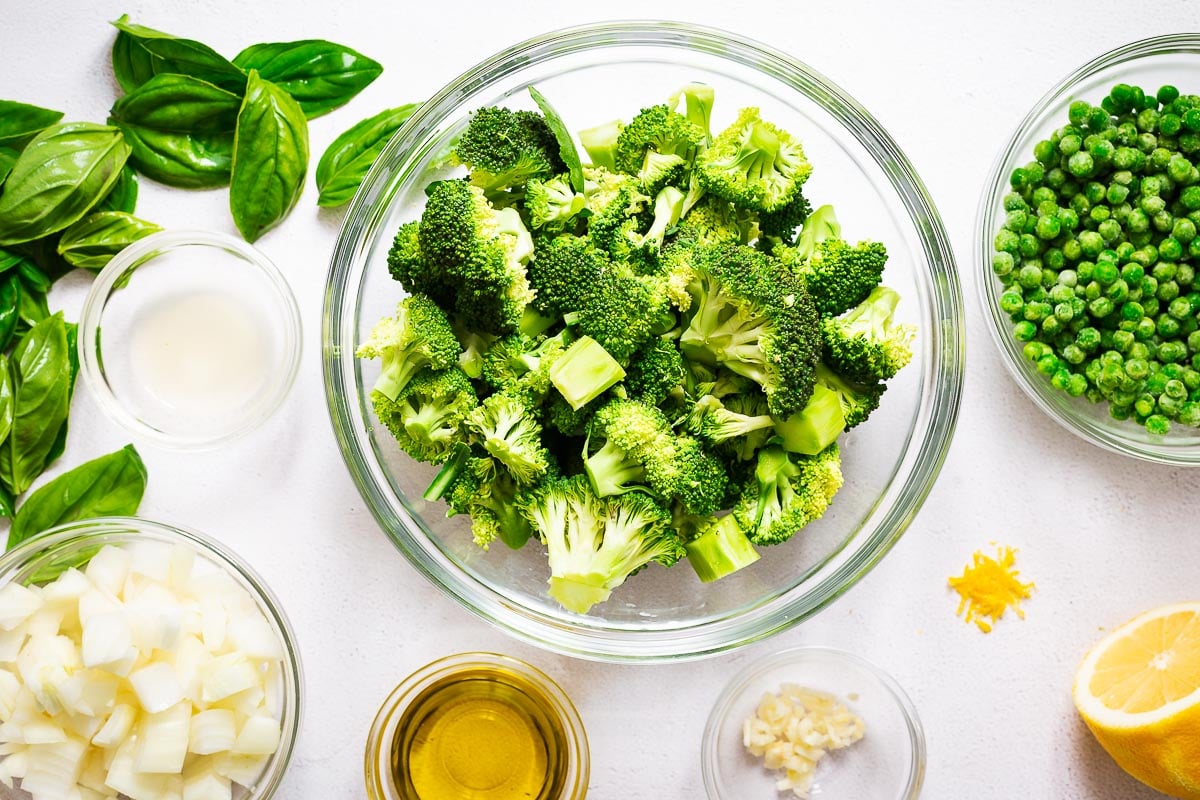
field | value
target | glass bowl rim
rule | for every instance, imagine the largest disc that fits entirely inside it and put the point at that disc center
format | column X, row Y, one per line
column 144, row 250
column 579, row 639
column 1107, row 434
column 799, row 654
column 409, row 689
column 135, row 528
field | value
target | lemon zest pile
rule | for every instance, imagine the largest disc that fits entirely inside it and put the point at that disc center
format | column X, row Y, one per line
column 988, row 587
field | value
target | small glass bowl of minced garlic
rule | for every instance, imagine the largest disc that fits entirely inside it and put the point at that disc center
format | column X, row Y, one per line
column 813, row 722
column 477, row 726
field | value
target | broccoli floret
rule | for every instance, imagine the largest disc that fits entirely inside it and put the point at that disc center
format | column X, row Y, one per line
column 788, row 492
column 600, row 143
column 427, row 416
column 520, row 364
column 661, row 170
column 754, row 319
column 563, row 269
column 491, row 497
column 697, row 99
column 840, row 276
column 409, row 266
column 503, row 149
column 820, row 225
column 858, row 400
column 780, row 227
column 559, row 415
column 753, row 164
column 481, row 252
column 638, row 449
column 654, row 371
column 508, row 429
column 715, row 422
column 865, row 345
column 615, row 204
column 594, row 545
column 668, row 206
column 474, row 347
column 419, row 336
column 660, row 130
column 552, row 204
column 715, row 221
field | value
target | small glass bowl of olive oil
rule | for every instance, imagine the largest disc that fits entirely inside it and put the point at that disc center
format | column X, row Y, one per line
column 189, row 338
column 477, row 726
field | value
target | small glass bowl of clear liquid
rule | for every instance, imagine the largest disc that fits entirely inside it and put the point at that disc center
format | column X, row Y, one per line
column 189, row 338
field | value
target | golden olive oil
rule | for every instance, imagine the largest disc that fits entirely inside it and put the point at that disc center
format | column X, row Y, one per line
column 486, row 733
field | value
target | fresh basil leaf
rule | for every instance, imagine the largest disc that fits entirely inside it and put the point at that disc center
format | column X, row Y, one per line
column 63, row 172
column 33, row 277
column 10, row 260
column 6, row 399
column 124, row 194
column 168, row 54
column 345, row 162
column 110, row 485
column 8, row 159
column 132, row 64
column 51, row 569
column 60, row 441
column 32, row 306
column 95, row 239
column 566, row 143
column 10, row 307
column 41, row 398
column 43, row 254
column 20, row 122
column 7, row 503
column 270, row 157
column 319, row 75
column 178, row 103
column 179, row 159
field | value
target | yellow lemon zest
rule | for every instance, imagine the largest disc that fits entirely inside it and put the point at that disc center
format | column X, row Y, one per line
column 988, row 587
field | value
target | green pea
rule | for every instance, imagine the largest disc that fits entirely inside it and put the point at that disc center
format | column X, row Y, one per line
column 1003, row 263
column 1146, row 142
column 1015, row 220
column 1189, row 198
column 1068, row 278
column 1100, row 307
column 1146, row 329
column 1109, row 230
column 1170, row 124
column 1029, row 246
column 1081, row 165
column 1167, row 94
column 1170, row 249
column 1167, row 327
column 1025, row 331
column 1044, row 199
column 1180, row 308
column 1044, row 151
column 1179, row 169
column 1077, row 386
column 1029, row 276
column 1167, row 291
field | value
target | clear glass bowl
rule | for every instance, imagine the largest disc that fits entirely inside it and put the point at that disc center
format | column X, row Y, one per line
column 888, row 763
column 68, row 545
column 419, row 695
column 189, row 338
column 593, row 74
column 1148, row 63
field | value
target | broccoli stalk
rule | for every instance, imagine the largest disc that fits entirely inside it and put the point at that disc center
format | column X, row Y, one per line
column 451, row 469
column 600, row 143
column 612, row 471
column 418, row 336
column 820, row 225
column 721, row 549
column 584, row 371
column 697, row 106
column 816, row 426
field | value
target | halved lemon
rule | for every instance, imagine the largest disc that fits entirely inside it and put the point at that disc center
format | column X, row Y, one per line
column 1138, row 690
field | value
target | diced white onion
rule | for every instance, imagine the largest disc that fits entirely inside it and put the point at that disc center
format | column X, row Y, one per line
column 156, row 687
column 108, row 569
column 227, row 675
column 107, row 640
column 117, row 728
column 17, row 604
column 201, row 782
column 162, row 740
column 213, row 731
column 259, row 736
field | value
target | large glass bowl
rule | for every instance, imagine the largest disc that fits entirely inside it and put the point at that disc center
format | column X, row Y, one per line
column 593, row 74
column 1148, row 63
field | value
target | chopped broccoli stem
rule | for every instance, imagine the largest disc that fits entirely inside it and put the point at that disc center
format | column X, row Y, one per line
column 820, row 225
column 720, row 550
column 600, row 143
column 816, row 426
column 584, row 371
column 697, row 106
column 448, row 474
column 612, row 471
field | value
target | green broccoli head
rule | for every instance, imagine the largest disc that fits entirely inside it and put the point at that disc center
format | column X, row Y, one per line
column 552, row 204
column 640, row 450
column 714, row 421
column 503, row 149
column 865, row 344
column 427, row 417
column 754, row 319
column 508, row 429
column 819, row 226
column 655, row 371
column 481, row 252
column 418, row 336
column 781, row 227
column 660, row 130
column 788, row 492
column 840, row 276
column 491, row 497
column 408, row 265
column 593, row 545
column 714, row 221
column 616, row 205
column 562, row 272
column 753, row 164
column 661, row 170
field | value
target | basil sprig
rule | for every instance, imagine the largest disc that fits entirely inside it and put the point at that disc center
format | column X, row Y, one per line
column 270, row 157
column 345, row 162
column 319, row 75
column 58, row 177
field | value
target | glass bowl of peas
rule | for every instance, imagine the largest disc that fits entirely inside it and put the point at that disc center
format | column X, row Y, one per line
column 1088, row 246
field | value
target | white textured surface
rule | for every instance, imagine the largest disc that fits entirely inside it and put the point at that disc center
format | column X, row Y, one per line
column 1104, row 537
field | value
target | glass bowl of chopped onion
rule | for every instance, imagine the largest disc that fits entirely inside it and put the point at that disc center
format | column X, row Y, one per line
column 1130, row 416
column 139, row 659
column 592, row 74
column 813, row 722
